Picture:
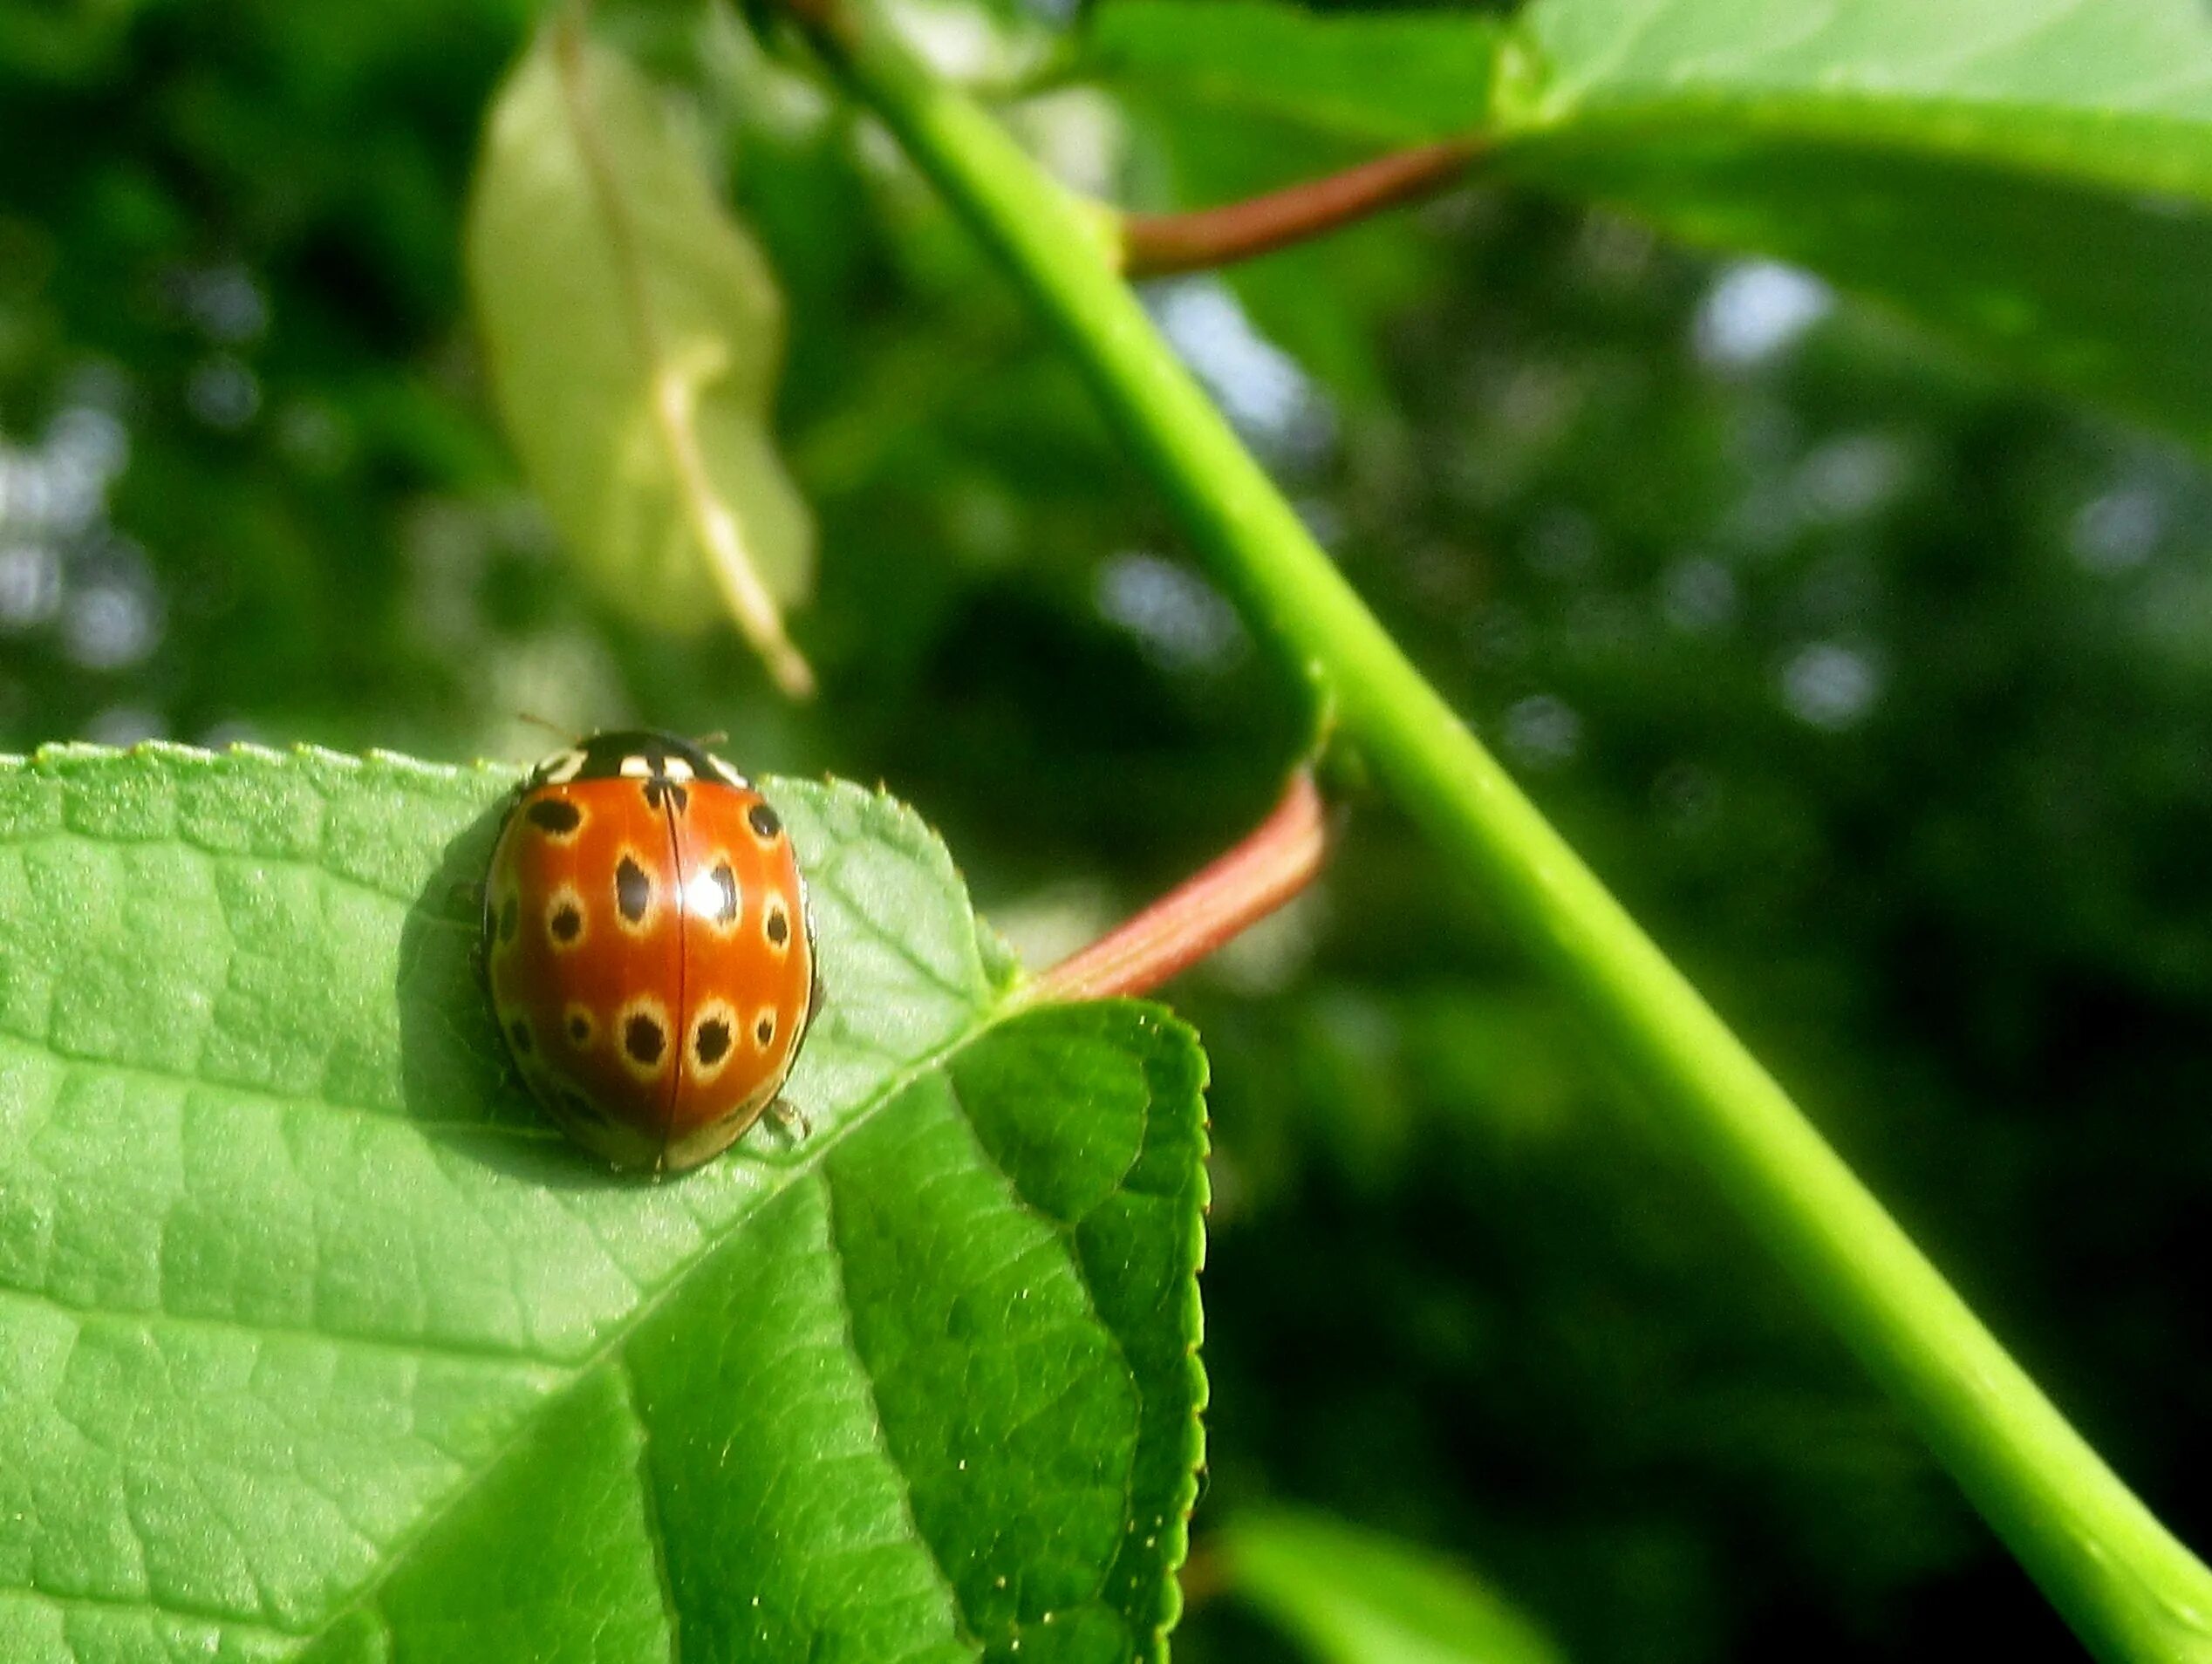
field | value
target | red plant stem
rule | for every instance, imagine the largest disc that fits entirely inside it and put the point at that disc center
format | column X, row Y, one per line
column 1155, row 245
column 1282, row 856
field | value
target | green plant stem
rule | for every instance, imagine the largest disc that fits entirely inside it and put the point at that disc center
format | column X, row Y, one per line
column 2127, row 1586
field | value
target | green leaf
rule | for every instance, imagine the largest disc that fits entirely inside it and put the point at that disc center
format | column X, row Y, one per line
column 321, row 1345
column 1376, row 78
column 1229, row 98
column 1357, row 1596
column 2032, row 177
column 635, row 335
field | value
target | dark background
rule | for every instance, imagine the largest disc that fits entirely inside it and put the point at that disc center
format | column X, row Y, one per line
column 1878, row 689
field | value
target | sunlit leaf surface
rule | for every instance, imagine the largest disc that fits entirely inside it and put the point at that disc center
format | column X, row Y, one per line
column 320, row 1344
column 2032, row 178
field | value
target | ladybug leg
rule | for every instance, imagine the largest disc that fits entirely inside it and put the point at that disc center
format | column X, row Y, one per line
column 789, row 1121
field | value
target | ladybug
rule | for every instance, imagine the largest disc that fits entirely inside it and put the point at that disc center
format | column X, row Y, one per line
column 647, row 948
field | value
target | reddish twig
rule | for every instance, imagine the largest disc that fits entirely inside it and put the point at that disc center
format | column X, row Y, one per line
column 1155, row 245
column 1281, row 857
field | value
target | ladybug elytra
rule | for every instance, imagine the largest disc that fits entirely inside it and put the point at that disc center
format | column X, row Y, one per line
column 647, row 948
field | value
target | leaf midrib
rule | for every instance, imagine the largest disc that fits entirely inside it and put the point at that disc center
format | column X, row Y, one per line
column 782, row 1177
column 560, row 1379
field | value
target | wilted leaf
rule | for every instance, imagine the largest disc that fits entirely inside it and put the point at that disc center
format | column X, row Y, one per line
column 635, row 334
column 321, row 1345
column 1358, row 1597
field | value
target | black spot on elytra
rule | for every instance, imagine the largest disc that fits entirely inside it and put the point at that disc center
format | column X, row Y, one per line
column 764, row 1030
column 556, row 815
column 643, row 1038
column 579, row 1028
column 726, row 893
column 661, row 789
column 712, row 1041
column 510, row 917
column 567, row 923
column 632, row 890
column 763, row 821
column 779, row 926
column 518, row 1032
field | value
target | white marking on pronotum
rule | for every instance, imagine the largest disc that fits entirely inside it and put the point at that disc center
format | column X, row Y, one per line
column 561, row 768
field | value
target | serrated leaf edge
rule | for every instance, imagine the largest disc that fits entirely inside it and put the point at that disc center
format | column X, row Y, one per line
column 776, row 1179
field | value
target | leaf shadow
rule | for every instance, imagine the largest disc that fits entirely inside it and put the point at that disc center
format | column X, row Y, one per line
column 458, row 1085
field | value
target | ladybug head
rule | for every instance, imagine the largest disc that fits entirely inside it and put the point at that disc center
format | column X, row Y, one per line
column 635, row 754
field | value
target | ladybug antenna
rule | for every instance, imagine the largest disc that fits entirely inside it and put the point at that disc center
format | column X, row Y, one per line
column 554, row 728
column 720, row 737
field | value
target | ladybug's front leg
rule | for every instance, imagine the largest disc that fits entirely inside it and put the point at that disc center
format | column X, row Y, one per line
column 789, row 1121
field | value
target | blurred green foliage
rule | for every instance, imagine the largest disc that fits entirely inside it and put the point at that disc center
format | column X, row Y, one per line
column 1352, row 1597
column 1880, row 689
column 633, row 333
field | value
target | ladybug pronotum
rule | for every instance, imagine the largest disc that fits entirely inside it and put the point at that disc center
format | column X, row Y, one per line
column 647, row 948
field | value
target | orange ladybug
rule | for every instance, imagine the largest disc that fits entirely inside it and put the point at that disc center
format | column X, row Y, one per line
column 647, row 948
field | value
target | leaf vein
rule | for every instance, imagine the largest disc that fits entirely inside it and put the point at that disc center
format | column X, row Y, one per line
column 875, row 1407
column 829, row 878
column 273, row 1097
column 649, row 1506
column 150, row 1317
column 1067, row 1233
column 619, row 1331
column 144, row 1607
